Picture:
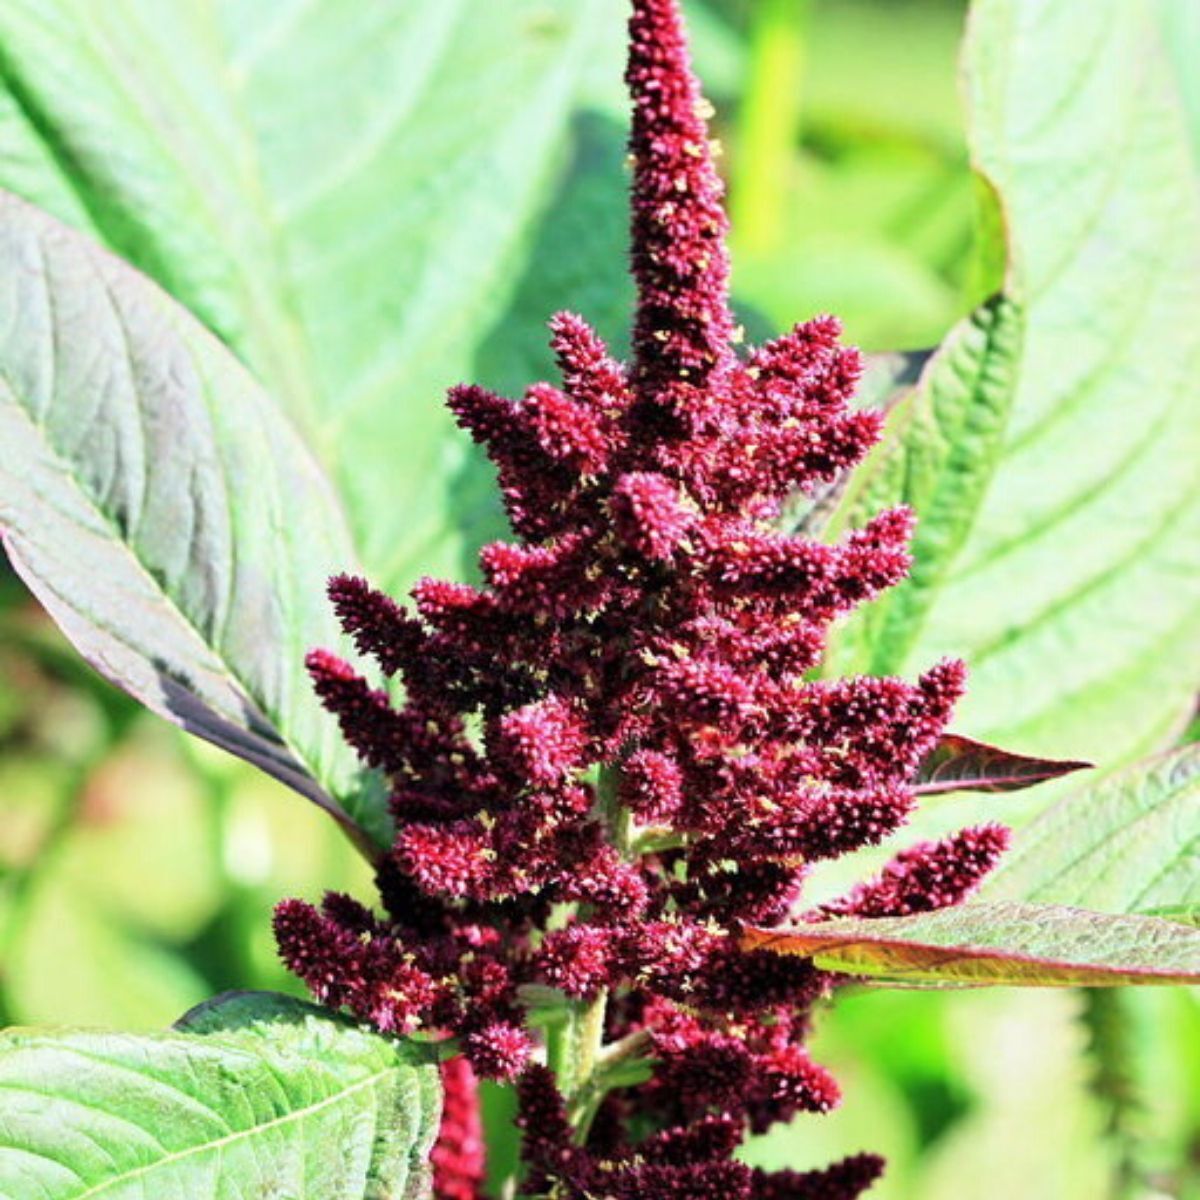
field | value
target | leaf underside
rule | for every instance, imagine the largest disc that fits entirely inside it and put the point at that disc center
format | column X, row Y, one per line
column 164, row 512
column 959, row 764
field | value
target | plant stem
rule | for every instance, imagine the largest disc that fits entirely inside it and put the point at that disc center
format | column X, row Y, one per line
column 616, row 816
column 588, row 1040
column 575, row 1047
column 1109, row 1022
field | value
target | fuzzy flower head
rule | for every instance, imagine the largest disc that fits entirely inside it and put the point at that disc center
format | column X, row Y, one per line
column 612, row 753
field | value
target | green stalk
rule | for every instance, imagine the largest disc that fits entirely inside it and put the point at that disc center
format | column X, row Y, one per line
column 575, row 1044
column 769, row 124
column 616, row 816
column 1109, row 1022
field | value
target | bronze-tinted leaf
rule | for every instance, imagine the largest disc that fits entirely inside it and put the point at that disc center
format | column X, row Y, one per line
column 960, row 764
column 1032, row 945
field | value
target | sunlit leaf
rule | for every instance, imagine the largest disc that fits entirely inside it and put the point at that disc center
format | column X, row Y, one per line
column 1003, row 943
column 253, row 1092
column 1130, row 844
column 341, row 191
column 1073, row 594
column 941, row 446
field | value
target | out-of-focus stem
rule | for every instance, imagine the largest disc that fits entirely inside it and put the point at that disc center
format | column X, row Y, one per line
column 769, row 124
column 1108, row 1020
column 576, row 1048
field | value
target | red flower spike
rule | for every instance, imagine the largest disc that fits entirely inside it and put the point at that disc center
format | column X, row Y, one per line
column 612, row 756
column 652, row 785
column 927, row 876
column 649, row 514
column 498, row 1050
column 542, row 743
column 459, row 1154
column 683, row 327
column 567, row 431
column 379, row 626
column 577, row 960
column 845, row 1180
column 590, row 376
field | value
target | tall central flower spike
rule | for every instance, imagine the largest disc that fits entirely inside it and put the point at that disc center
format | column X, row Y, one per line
column 611, row 755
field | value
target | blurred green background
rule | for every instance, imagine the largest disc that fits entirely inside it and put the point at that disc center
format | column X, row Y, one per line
column 138, row 869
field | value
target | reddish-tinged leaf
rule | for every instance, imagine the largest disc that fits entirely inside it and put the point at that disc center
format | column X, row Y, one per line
column 960, row 764
column 1033, row 945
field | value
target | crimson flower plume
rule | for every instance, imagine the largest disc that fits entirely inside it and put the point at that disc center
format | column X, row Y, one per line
column 612, row 753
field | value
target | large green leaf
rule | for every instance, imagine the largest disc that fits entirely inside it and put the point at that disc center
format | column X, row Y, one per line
column 1074, row 595
column 943, row 441
column 1130, row 845
column 163, row 510
column 1039, row 945
column 338, row 189
column 254, row 1095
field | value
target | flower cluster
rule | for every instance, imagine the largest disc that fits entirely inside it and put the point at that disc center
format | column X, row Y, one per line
column 693, row 1162
column 611, row 755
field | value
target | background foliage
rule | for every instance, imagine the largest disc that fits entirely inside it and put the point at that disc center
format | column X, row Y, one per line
column 360, row 246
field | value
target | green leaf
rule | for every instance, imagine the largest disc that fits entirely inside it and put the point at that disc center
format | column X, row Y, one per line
column 338, row 190
column 253, row 1095
column 959, row 764
column 1034, row 945
column 1071, row 594
column 150, row 496
column 1074, row 599
column 1132, row 844
column 941, row 445
column 887, row 383
column 1183, row 914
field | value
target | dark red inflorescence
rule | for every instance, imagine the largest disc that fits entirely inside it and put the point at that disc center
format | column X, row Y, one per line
column 612, row 755
column 459, row 1155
